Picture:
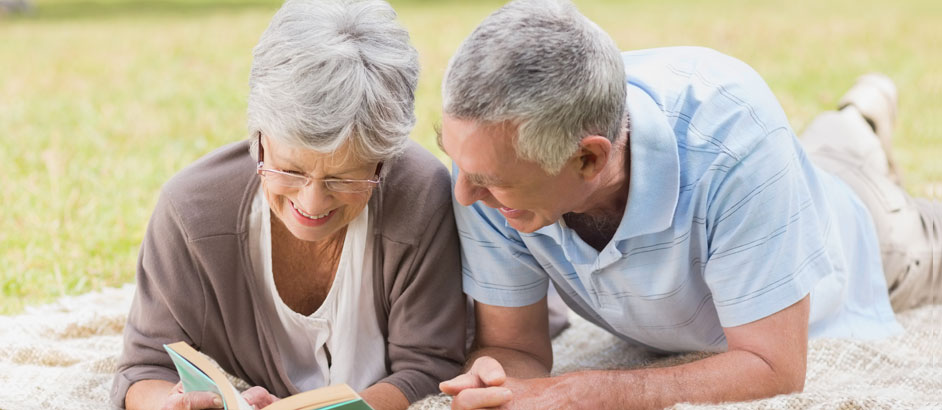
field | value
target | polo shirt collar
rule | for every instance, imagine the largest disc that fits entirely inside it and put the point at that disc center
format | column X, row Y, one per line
column 654, row 186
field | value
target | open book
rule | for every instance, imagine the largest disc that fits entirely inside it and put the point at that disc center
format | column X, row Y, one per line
column 199, row 374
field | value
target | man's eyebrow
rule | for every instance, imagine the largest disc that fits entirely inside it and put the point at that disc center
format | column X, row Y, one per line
column 476, row 179
column 484, row 180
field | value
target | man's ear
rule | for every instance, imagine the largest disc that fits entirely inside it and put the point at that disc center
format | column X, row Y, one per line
column 593, row 155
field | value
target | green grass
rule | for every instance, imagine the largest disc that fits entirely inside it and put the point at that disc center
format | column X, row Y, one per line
column 101, row 102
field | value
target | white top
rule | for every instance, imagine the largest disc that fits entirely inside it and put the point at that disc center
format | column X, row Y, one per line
column 345, row 325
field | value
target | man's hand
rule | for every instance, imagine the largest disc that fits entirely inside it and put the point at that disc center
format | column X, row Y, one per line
column 765, row 357
column 512, row 341
column 486, row 386
column 480, row 387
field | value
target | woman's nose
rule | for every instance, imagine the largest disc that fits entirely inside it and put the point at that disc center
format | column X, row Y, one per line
column 314, row 196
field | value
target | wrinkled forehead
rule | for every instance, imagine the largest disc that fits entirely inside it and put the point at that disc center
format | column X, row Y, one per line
column 484, row 152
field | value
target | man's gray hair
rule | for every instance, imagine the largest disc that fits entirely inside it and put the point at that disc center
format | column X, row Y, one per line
column 544, row 67
column 326, row 72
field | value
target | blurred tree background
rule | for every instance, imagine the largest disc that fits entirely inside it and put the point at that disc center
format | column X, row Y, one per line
column 102, row 101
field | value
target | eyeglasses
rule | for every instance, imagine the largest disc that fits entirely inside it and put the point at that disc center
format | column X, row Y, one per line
column 296, row 181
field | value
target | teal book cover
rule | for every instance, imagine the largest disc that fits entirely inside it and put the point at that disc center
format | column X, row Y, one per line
column 198, row 373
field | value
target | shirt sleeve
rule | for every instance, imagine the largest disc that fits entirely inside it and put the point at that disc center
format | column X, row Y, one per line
column 767, row 235
column 167, row 304
column 497, row 267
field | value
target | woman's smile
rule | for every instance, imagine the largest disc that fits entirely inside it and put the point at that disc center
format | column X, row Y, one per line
column 307, row 219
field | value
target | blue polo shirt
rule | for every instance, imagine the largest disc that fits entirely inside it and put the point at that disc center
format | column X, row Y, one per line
column 727, row 222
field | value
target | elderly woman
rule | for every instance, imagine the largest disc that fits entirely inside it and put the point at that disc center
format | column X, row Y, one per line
column 321, row 250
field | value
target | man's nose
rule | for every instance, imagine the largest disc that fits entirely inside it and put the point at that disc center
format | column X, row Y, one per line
column 467, row 193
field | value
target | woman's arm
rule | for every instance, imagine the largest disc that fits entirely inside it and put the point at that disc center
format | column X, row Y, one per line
column 147, row 394
column 164, row 395
column 167, row 307
column 384, row 396
column 427, row 309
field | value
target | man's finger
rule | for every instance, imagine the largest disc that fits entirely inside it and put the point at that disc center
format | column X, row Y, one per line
column 199, row 400
column 481, row 398
column 489, row 371
column 463, row 381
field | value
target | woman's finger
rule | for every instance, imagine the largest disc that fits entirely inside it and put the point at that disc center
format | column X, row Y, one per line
column 258, row 397
column 200, row 400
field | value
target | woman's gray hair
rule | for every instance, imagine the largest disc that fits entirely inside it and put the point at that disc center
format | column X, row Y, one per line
column 328, row 72
column 545, row 68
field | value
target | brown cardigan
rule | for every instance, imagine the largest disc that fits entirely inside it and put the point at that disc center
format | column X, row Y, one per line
column 194, row 278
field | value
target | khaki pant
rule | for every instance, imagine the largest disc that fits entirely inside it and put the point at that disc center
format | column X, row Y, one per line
column 909, row 229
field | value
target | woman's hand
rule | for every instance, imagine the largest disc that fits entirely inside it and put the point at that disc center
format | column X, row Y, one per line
column 194, row 400
column 199, row 400
column 259, row 397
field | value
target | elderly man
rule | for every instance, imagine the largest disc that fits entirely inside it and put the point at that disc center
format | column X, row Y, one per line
column 666, row 197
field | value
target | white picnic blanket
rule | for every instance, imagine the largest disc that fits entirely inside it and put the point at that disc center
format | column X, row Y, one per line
column 61, row 356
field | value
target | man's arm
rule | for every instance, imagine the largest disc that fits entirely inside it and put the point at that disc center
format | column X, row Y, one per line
column 517, row 337
column 508, row 341
column 765, row 358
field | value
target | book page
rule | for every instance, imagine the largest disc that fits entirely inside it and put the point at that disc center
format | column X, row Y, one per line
column 198, row 373
column 195, row 379
column 339, row 396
